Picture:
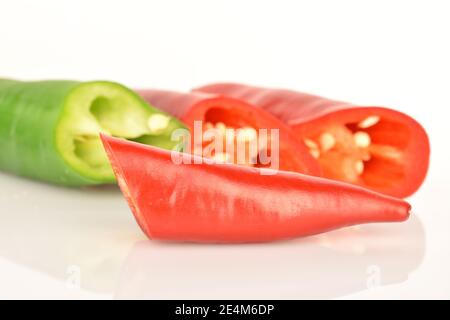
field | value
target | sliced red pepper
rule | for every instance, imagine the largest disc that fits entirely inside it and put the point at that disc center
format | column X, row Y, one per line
column 230, row 203
column 374, row 147
column 231, row 113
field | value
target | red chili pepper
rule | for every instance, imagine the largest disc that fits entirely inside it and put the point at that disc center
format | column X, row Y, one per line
column 374, row 147
column 231, row 203
column 223, row 113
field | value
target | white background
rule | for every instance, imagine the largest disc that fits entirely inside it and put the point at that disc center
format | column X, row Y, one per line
column 392, row 53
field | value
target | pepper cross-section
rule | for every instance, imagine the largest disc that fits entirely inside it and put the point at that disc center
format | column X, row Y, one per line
column 49, row 129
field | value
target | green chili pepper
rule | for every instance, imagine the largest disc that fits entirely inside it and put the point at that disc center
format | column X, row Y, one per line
column 49, row 130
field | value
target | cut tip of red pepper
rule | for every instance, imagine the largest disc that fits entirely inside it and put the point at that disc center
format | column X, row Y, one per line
column 202, row 202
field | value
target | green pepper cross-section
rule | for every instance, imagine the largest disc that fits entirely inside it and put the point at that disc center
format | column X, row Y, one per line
column 49, row 130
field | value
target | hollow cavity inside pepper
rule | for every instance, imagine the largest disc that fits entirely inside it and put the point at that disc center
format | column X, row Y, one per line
column 345, row 150
column 103, row 107
column 362, row 149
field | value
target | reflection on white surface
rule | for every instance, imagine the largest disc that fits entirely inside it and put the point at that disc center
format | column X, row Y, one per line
column 88, row 238
column 58, row 230
column 325, row 266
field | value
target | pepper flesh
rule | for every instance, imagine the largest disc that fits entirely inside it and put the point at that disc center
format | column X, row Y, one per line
column 230, row 203
column 223, row 113
column 49, row 129
column 374, row 147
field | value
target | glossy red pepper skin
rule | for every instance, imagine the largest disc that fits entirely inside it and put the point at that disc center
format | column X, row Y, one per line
column 190, row 107
column 307, row 114
column 231, row 203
